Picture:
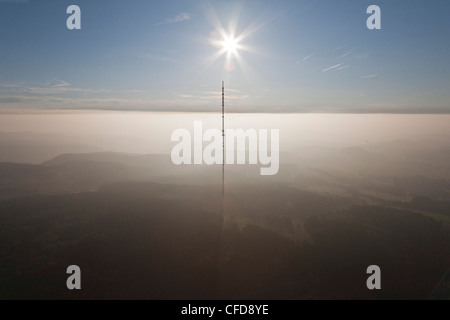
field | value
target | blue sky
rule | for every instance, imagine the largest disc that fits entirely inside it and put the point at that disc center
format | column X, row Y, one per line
column 300, row 56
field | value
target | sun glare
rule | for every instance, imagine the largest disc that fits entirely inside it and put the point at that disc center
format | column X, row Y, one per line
column 230, row 45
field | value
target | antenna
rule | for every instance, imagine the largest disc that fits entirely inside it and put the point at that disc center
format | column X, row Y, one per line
column 223, row 145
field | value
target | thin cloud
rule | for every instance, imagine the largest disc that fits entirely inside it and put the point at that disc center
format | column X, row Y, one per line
column 208, row 96
column 60, row 84
column 60, row 89
column 345, row 55
column 11, row 100
column 57, row 87
column 305, row 58
column 369, row 76
column 332, row 67
column 179, row 18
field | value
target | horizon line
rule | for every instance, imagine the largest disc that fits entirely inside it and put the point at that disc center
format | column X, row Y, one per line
column 69, row 110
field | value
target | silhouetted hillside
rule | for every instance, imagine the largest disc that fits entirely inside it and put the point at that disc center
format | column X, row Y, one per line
column 139, row 245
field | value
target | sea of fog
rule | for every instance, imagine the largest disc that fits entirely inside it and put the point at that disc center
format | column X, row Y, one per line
column 150, row 132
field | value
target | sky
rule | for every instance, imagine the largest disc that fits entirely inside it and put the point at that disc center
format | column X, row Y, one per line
column 294, row 56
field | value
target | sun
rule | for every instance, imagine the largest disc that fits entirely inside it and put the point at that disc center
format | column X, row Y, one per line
column 230, row 45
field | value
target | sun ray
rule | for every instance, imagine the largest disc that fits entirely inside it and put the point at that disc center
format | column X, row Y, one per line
column 231, row 43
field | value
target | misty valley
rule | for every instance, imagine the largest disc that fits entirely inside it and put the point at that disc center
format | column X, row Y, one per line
column 140, row 227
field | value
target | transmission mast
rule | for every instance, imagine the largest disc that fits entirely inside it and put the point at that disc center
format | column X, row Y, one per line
column 223, row 143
